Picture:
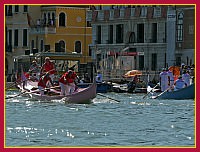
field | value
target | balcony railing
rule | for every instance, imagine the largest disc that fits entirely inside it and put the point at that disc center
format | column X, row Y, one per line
column 43, row 30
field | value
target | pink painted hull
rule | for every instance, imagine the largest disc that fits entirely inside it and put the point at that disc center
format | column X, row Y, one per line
column 81, row 96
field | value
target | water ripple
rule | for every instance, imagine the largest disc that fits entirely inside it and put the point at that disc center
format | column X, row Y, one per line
column 133, row 121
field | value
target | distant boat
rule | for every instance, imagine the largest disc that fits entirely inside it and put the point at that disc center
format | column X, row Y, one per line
column 101, row 87
column 181, row 94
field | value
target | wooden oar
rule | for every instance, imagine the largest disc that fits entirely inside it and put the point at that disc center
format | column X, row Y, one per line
column 150, row 91
column 161, row 93
column 43, row 73
column 26, row 92
column 108, row 97
column 13, row 84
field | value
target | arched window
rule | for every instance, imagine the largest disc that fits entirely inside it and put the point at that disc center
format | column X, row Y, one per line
column 180, row 27
column 62, row 46
column 78, row 46
column 62, row 19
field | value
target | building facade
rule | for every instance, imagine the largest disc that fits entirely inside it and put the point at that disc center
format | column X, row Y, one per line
column 145, row 38
column 60, row 32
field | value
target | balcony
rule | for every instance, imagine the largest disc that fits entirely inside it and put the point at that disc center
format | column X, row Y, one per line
column 43, row 30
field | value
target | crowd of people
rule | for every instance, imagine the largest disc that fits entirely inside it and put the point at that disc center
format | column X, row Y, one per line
column 45, row 76
column 170, row 80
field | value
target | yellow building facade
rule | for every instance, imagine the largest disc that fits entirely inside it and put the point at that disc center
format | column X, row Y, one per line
column 60, row 32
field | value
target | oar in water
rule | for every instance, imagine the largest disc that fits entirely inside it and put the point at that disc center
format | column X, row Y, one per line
column 150, row 91
column 108, row 97
column 161, row 93
column 26, row 92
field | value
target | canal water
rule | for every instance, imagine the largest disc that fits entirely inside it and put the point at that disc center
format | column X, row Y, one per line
column 131, row 122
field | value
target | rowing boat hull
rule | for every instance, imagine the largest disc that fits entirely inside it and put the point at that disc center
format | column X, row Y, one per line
column 82, row 96
column 185, row 93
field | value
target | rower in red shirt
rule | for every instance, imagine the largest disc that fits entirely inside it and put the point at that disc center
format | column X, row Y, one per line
column 48, row 66
column 67, row 82
column 42, row 83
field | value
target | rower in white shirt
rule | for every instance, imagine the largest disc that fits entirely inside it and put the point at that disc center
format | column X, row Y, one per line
column 164, row 81
column 186, row 77
column 179, row 83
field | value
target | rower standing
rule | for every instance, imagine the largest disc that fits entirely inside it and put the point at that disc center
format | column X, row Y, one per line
column 170, row 78
column 67, row 82
column 34, row 70
column 48, row 66
column 24, row 78
column 164, row 81
column 42, row 83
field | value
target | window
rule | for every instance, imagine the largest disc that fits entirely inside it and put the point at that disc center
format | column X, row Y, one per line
column 178, row 61
column 10, row 37
column 119, row 33
column 132, row 50
column 49, row 19
column 154, row 33
column 141, row 62
column 89, row 24
column 45, row 19
column 16, row 8
column 90, row 51
column 41, row 45
column 32, row 45
column 53, row 18
column 98, row 41
column 78, row 46
column 154, row 61
column 180, row 27
column 25, row 8
column 62, row 46
column 16, row 38
column 61, row 19
column 25, row 37
column 140, row 33
column 10, row 10
column 110, row 34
